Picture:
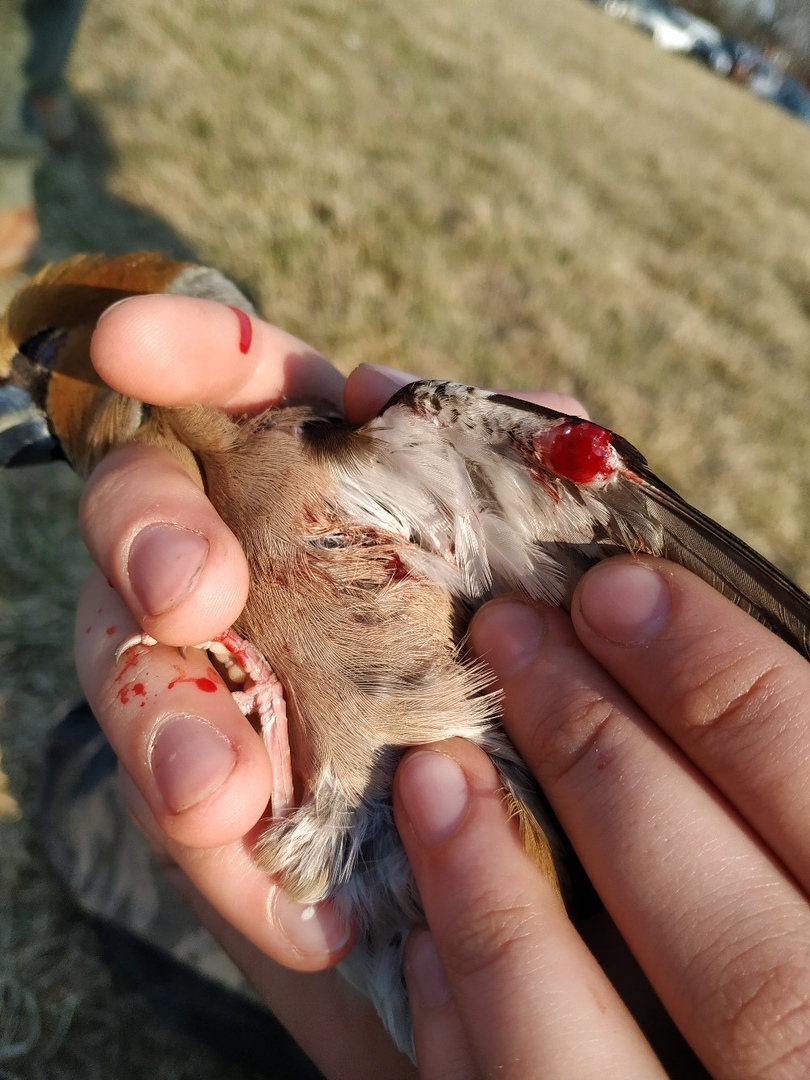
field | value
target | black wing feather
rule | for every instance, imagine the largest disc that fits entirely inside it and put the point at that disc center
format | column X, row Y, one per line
column 694, row 540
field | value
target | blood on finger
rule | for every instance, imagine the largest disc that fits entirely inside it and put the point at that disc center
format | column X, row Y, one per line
column 245, row 329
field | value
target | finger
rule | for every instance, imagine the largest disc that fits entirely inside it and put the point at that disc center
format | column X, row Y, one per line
column 510, row 955
column 720, row 929
column 198, row 777
column 161, row 544
column 303, row 937
column 180, row 350
column 336, row 1026
column 442, row 1047
column 171, row 720
column 369, row 387
column 728, row 691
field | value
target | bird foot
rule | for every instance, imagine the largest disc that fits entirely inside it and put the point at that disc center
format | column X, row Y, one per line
column 262, row 696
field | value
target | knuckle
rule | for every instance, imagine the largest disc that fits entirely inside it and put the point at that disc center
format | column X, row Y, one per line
column 753, row 1001
column 485, row 937
column 730, row 695
column 107, row 494
column 580, row 721
column 768, row 1031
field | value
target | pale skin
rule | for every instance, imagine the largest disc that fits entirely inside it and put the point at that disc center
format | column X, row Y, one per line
column 667, row 728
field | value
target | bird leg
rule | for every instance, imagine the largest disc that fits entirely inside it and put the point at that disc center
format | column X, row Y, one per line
column 262, row 696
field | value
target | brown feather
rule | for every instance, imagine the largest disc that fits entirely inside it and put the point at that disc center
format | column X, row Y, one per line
column 535, row 840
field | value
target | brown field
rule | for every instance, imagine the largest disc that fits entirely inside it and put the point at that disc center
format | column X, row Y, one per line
column 519, row 194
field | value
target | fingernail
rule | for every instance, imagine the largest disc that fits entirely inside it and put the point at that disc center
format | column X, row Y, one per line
column 312, row 929
column 190, row 760
column 382, row 381
column 112, row 307
column 401, row 377
column 435, row 795
column 627, row 603
column 165, row 562
column 138, row 807
column 508, row 637
column 425, row 972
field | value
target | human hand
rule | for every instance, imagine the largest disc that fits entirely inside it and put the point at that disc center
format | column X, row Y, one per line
column 667, row 729
column 194, row 771
column 202, row 835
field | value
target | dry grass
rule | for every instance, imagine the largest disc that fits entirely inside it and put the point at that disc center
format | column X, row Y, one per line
column 518, row 194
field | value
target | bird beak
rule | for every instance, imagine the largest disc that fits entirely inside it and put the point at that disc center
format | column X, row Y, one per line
column 24, row 435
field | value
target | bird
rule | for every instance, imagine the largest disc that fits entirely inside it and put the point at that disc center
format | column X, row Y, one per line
column 369, row 545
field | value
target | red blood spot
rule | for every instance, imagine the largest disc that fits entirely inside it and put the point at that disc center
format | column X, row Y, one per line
column 131, row 690
column 245, row 329
column 110, row 630
column 208, row 686
column 88, row 629
column 130, row 658
column 578, row 450
column 601, row 765
column 396, row 568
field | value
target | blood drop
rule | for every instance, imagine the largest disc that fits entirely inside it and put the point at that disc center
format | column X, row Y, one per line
column 245, row 329
column 580, row 451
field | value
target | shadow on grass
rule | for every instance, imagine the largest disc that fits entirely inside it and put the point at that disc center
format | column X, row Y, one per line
column 78, row 211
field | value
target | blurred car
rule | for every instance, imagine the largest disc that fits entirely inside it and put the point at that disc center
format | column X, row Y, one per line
column 769, row 82
column 676, row 30
column 795, row 98
column 720, row 56
column 639, row 12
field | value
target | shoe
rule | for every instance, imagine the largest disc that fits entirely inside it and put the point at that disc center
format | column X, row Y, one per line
column 55, row 116
column 147, row 932
column 19, row 234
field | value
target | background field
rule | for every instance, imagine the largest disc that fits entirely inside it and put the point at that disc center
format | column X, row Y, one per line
column 518, row 194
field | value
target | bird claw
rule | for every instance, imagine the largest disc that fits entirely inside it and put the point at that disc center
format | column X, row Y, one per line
column 130, row 643
column 263, row 697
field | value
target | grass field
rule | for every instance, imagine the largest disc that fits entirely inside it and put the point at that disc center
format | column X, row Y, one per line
column 519, row 194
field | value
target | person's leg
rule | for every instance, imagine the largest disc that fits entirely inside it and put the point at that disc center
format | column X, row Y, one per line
column 52, row 26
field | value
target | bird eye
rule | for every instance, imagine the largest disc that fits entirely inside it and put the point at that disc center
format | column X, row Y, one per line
column 42, row 348
column 329, row 542
column 326, row 419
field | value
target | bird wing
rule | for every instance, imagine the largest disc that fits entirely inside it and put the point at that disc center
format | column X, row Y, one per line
column 497, row 494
